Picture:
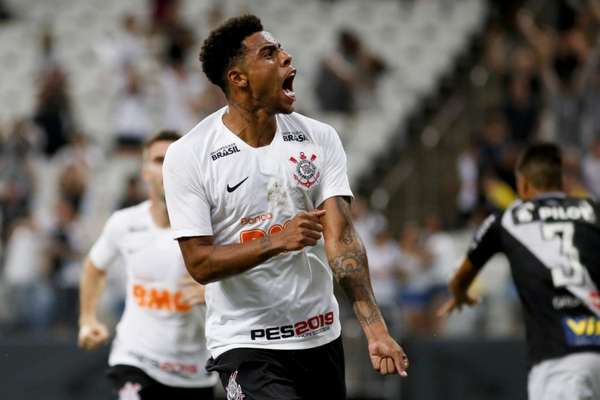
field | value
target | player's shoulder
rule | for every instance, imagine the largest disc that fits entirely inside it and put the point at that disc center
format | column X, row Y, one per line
column 124, row 218
column 518, row 212
column 315, row 130
column 199, row 137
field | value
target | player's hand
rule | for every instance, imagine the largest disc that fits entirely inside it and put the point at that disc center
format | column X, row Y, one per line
column 456, row 303
column 305, row 229
column 192, row 292
column 387, row 357
column 92, row 335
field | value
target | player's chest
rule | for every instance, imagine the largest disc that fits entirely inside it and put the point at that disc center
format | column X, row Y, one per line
column 278, row 176
column 152, row 255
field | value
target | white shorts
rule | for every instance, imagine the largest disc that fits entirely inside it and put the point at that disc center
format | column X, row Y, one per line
column 573, row 377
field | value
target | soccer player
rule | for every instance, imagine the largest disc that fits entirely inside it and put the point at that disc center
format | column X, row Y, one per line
column 258, row 198
column 552, row 242
column 159, row 351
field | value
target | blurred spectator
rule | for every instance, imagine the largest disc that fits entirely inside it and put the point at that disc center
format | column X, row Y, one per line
column 550, row 90
column 563, row 55
column 82, row 153
column 17, row 176
column 496, row 153
column 181, row 91
column 76, row 163
column 130, row 46
column 131, row 116
column 366, row 221
column 590, row 119
column 524, row 65
column 497, row 49
column 439, row 244
column 48, row 57
column 64, row 254
column 5, row 13
column 73, row 183
column 572, row 173
column 468, row 176
column 53, row 112
column 591, row 168
column 348, row 75
column 164, row 13
column 27, row 280
column 419, row 288
column 384, row 259
column 521, row 109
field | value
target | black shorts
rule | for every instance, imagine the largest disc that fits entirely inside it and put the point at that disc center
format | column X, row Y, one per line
column 258, row 374
column 129, row 381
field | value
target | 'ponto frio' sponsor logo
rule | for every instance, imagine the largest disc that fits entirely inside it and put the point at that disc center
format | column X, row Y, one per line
column 256, row 219
column 224, row 151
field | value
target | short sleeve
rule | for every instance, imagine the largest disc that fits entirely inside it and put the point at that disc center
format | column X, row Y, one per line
column 187, row 203
column 105, row 250
column 334, row 180
column 486, row 241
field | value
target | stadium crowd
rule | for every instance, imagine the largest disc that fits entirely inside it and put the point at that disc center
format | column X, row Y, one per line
column 547, row 85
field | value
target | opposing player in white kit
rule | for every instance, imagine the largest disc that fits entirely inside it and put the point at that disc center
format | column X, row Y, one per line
column 159, row 351
column 258, row 198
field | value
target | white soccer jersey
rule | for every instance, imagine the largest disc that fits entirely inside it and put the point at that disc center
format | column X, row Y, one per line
column 216, row 184
column 158, row 332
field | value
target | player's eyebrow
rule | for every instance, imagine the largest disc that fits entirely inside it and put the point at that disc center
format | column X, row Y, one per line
column 268, row 46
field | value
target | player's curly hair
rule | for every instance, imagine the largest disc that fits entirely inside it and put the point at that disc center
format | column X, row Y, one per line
column 224, row 45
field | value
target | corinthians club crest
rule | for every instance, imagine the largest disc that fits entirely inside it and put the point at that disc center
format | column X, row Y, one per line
column 234, row 389
column 306, row 170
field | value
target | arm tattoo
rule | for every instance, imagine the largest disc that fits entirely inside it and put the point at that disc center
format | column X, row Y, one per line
column 350, row 267
column 265, row 242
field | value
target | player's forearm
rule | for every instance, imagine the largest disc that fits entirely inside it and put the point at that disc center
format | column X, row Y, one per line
column 463, row 277
column 348, row 260
column 210, row 263
column 91, row 286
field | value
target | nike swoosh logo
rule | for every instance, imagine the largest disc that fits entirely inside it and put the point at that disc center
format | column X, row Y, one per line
column 232, row 188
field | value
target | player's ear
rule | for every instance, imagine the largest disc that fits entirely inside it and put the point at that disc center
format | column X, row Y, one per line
column 237, row 78
column 523, row 187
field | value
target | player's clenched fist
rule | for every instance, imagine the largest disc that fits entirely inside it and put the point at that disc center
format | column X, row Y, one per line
column 92, row 335
column 305, row 229
column 387, row 356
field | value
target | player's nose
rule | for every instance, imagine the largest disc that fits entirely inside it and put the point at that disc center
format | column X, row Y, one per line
column 286, row 58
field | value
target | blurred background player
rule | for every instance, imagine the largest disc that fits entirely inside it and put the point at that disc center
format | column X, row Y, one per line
column 251, row 190
column 159, row 350
column 551, row 241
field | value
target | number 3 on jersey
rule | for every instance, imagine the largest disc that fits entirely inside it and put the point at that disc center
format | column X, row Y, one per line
column 567, row 270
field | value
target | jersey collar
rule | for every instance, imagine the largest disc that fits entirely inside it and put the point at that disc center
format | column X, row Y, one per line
column 547, row 195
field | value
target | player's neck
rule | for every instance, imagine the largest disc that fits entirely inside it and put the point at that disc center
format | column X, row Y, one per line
column 254, row 125
column 534, row 193
column 158, row 211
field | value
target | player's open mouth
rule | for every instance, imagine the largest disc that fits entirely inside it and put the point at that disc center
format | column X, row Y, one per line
column 288, row 85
